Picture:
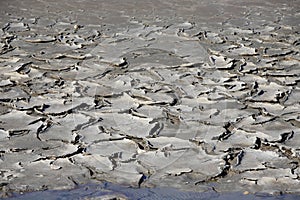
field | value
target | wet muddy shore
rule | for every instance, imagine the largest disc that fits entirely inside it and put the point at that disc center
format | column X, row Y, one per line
column 108, row 191
column 194, row 95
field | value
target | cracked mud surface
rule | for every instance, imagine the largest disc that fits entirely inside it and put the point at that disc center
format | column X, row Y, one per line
column 185, row 94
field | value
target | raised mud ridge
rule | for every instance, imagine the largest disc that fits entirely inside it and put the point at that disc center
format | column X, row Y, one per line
column 196, row 95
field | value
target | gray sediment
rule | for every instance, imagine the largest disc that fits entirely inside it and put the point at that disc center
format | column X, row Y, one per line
column 194, row 95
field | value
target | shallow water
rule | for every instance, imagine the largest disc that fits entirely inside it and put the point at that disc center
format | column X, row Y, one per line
column 105, row 190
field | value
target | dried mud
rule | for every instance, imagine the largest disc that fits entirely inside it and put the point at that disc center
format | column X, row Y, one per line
column 196, row 95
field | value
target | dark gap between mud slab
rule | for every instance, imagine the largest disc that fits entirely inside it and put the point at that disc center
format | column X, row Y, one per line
column 109, row 191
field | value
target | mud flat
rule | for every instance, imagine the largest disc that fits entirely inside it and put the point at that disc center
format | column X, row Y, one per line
column 194, row 95
column 108, row 191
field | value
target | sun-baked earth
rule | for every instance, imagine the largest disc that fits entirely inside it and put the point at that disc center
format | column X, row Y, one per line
column 186, row 94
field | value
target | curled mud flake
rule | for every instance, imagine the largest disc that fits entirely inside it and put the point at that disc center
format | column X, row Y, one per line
column 239, row 157
column 173, row 118
column 12, row 133
column 178, row 172
column 41, row 39
column 284, row 137
column 142, row 179
column 7, row 82
column 277, row 52
column 213, row 37
column 257, row 143
column 3, row 134
column 43, row 127
column 225, row 135
column 247, row 164
column 156, row 129
column 90, row 122
column 16, row 27
column 137, row 114
column 9, row 59
column 55, row 167
column 79, row 150
column 77, row 27
column 76, row 57
column 222, row 62
column 54, row 69
column 122, row 64
column 24, row 68
column 245, row 51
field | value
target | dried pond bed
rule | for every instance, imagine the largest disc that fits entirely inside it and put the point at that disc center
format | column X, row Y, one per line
column 164, row 99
